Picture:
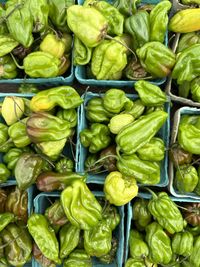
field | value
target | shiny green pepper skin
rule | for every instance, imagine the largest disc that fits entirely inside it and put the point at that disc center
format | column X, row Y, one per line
column 91, row 165
column 125, row 7
column 69, row 115
column 138, row 133
column 27, row 169
column 7, row 44
column 78, row 258
column 4, row 173
column 159, row 244
column 166, row 212
column 188, row 39
column 136, row 108
column 96, row 137
column 55, row 214
column 186, row 178
column 5, row 219
column 195, row 89
column 64, row 165
column 159, row 21
column 44, row 236
column 12, row 156
column 8, row 69
column 27, row 89
column 141, row 214
column 40, row 258
column 138, row 248
column 69, row 238
column 165, row 59
column 194, row 258
column 110, row 215
column 138, row 26
column 41, row 65
column 82, row 53
column 150, row 94
column 3, row 133
column 140, row 263
column 78, row 197
column 152, row 151
column 109, row 258
column 182, row 243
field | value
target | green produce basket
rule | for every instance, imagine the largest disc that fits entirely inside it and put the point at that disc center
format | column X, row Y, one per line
column 42, row 201
column 130, row 216
column 174, row 134
column 81, row 73
column 81, row 152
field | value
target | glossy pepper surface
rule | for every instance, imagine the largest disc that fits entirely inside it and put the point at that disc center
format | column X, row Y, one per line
column 194, row 258
column 188, row 39
column 53, row 45
column 109, row 163
column 166, row 213
column 64, row 165
column 179, row 156
column 119, row 121
column 5, row 219
column 87, row 23
column 80, row 206
column 8, row 69
column 125, row 7
column 110, row 214
column 138, row 133
column 82, row 53
column 55, row 214
column 69, row 115
column 78, row 257
column 195, row 89
column 12, row 156
column 64, row 96
column 44, row 236
column 40, row 258
column 159, row 244
column 141, row 214
column 138, row 26
column 109, row 258
column 52, row 149
column 7, row 44
column 96, row 137
column 138, row 248
column 182, row 243
column 4, row 173
column 109, row 58
column 165, row 59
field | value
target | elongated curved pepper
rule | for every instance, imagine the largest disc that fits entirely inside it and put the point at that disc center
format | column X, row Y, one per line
column 182, row 243
column 87, row 23
column 166, row 212
column 138, row 133
column 64, row 96
column 80, row 206
column 82, row 53
column 138, row 247
column 44, row 236
column 142, row 217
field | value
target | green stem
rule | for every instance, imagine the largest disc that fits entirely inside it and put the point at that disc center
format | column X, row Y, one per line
column 152, row 193
column 15, row 61
column 7, row 142
column 105, row 157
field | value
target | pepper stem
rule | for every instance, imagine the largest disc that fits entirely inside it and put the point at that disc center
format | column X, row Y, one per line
column 46, row 159
column 175, row 263
column 15, row 61
column 5, row 143
column 117, row 41
column 105, row 157
column 152, row 193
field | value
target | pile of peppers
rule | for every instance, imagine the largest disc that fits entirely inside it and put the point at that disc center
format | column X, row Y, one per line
column 122, row 138
column 164, row 233
column 35, row 40
column 121, row 40
column 185, row 155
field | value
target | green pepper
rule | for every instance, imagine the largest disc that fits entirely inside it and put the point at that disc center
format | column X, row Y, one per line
column 82, row 53
column 12, row 156
column 96, row 137
column 64, row 165
column 91, row 165
column 50, row 181
column 97, row 241
column 150, row 94
column 26, row 88
column 64, row 96
column 109, row 163
column 138, row 26
column 5, row 219
column 18, row 134
column 8, row 69
column 80, row 206
column 136, row 108
column 159, row 244
column 110, row 214
column 187, row 39
column 187, row 67
column 17, row 203
column 95, row 111
column 39, row 11
column 179, row 156
column 140, row 263
column 7, row 44
column 57, row 13
column 78, row 258
column 44, row 236
column 69, row 115
column 119, row 121
column 69, row 238
column 27, row 169
column 113, row 16
column 195, row 89
column 186, row 178
column 152, row 151
column 109, row 258
column 165, row 211
column 82, row 19
column 40, row 258
column 138, row 248
column 3, row 26
column 145, row 172
column 4, row 173
column 154, row 108
column 119, row 189
column 126, row 7
column 156, row 59
column 184, row 89
column 182, row 243
column 109, row 58
column 55, row 214
column 134, row 70
column 159, row 21
column 42, row 127
column 41, row 65
column 53, row 45
column 3, row 133
column 138, row 133
column 197, row 188
column 20, row 23
column 141, row 215
column 18, row 244
column 194, row 258
column 115, row 100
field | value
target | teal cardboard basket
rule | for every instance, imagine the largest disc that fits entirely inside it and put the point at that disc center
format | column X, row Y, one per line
column 42, row 201
column 81, row 152
column 81, row 73
column 174, row 134
column 130, row 216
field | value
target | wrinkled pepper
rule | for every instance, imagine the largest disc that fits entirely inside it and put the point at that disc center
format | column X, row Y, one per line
column 26, row 88
column 191, row 214
column 82, row 53
column 134, row 70
column 179, row 156
column 55, row 214
column 78, row 257
column 109, row 258
column 80, row 206
column 110, row 214
column 64, row 165
column 69, row 115
column 136, row 108
column 194, row 258
column 7, row 44
column 12, row 156
column 138, row 248
column 126, row 7
column 40, row 258
column 141, row 215
column 188, row 39
column 119, row 121
column 195, row 89
column 5, row 219
column 108, row 163
column 8, row 69
column 91, row 165
column 182, row 243
column 4, row 173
